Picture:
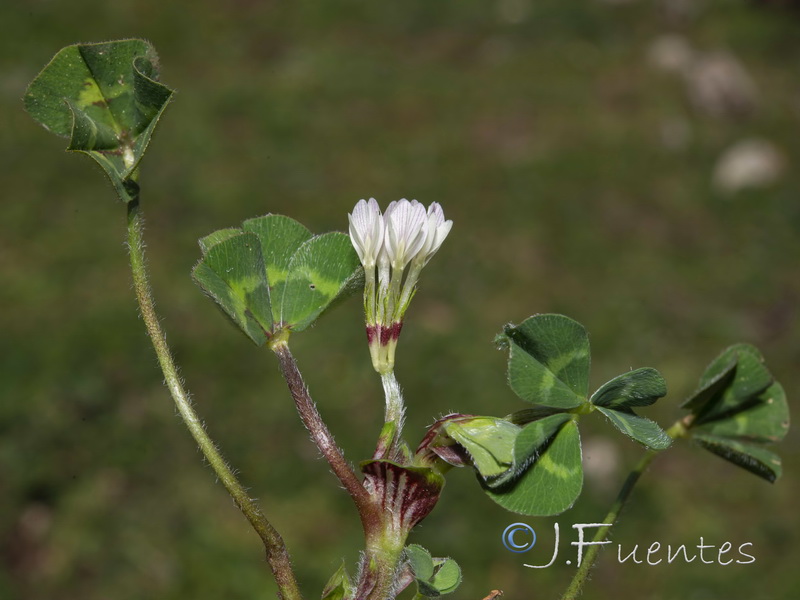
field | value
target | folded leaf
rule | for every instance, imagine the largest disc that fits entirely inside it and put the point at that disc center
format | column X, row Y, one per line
column 420, row 561
column 531, row 441
column 488, row 440
column 445, row 580
column 766, row 421
column 339, row 586
column 749, row 379
column 106, row 98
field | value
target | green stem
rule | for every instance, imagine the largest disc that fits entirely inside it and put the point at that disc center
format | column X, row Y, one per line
column 677, row 430
column 277, row 555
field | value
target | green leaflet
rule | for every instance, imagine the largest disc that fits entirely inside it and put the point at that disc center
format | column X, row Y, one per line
column 755, row 459
column 106, row 98
column 434, row 576
column 552, row 483
column 765, row 422
column 641, row 387
column 323, row 270
column 531, row 441
column 549, row 361
column 232, row 273
column 274, row 275
column 741, row 386
column 642, row 430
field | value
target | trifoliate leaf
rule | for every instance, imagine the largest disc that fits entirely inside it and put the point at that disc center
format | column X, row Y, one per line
column 297, row 276
column 737, row 406
column 106, row 98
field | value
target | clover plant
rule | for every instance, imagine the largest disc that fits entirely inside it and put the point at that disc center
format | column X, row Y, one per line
column 273, row 278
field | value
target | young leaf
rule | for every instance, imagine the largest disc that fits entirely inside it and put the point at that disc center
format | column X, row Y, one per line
column 232, row 273
column 106, row 98
column 420, row 561
column 755, row 459
column 488, row 440
column 642, row 430
column 641, row 387
column 445, row 580
column 549, row 361
column 324, row 270
column 552, row 483
column 339, row 586
column 434, row 576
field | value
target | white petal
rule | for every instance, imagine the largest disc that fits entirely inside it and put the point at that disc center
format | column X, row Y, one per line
column 405, row 231
column 438, row 229
column 366, row 230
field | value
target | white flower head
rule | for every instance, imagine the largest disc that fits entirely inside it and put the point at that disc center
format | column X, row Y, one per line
column 367, row 231
column 437, row 230
column 406, row 231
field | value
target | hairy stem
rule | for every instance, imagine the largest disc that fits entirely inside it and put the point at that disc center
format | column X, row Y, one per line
column 277, row 555
column 677, row 430
column 320, row 434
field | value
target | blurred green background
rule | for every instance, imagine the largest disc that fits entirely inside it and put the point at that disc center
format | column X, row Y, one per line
column 573, row 143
